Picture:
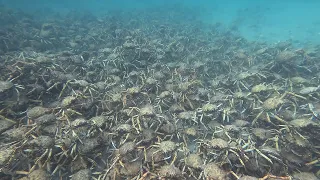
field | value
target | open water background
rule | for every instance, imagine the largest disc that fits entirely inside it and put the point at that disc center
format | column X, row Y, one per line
column 259, row 20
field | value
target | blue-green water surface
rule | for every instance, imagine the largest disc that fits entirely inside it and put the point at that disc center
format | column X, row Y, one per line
column 265, row 20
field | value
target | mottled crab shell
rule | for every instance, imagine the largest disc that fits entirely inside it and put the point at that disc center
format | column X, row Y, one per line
column 39, row 174
column 170, row 171
column 36, row 112
column 133, row 90
column 303, row 122
column 241, row 123
column 46, row 119
column 194, row 161
column 43, row 141
column 6, row 88
column 117, row 97
column 309, row 90
column 164, row 94
column 83, row 174
column 89, row 145
column 262, row 133
column 167, row 146
column 190, row 131
column 151, row 81
column 67, row 101
column 127, row 148
column 212, row 171
column 305, row 175
column 259, row 88
column 187, row 115
column 99, row 120
column 218, row 143
column 240, row 95
column 124, row 128
column 299, row 80
column 243, row 75
column 209, row 107
column 5, row 154
column 147, row 110
column 131, row 168
column 154, row 155
column 79, row 122
column 272, row 103
column 5, row 85
column 286, row 56
column 15, row 133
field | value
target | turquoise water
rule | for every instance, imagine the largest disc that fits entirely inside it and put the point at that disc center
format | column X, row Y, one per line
column 119, row 76
column 264, row 20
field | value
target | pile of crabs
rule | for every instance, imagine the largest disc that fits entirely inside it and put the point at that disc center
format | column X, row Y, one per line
column 129, row 99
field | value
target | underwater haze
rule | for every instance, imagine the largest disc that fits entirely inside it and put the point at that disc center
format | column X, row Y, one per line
column 159, row 89
column 265, row 20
